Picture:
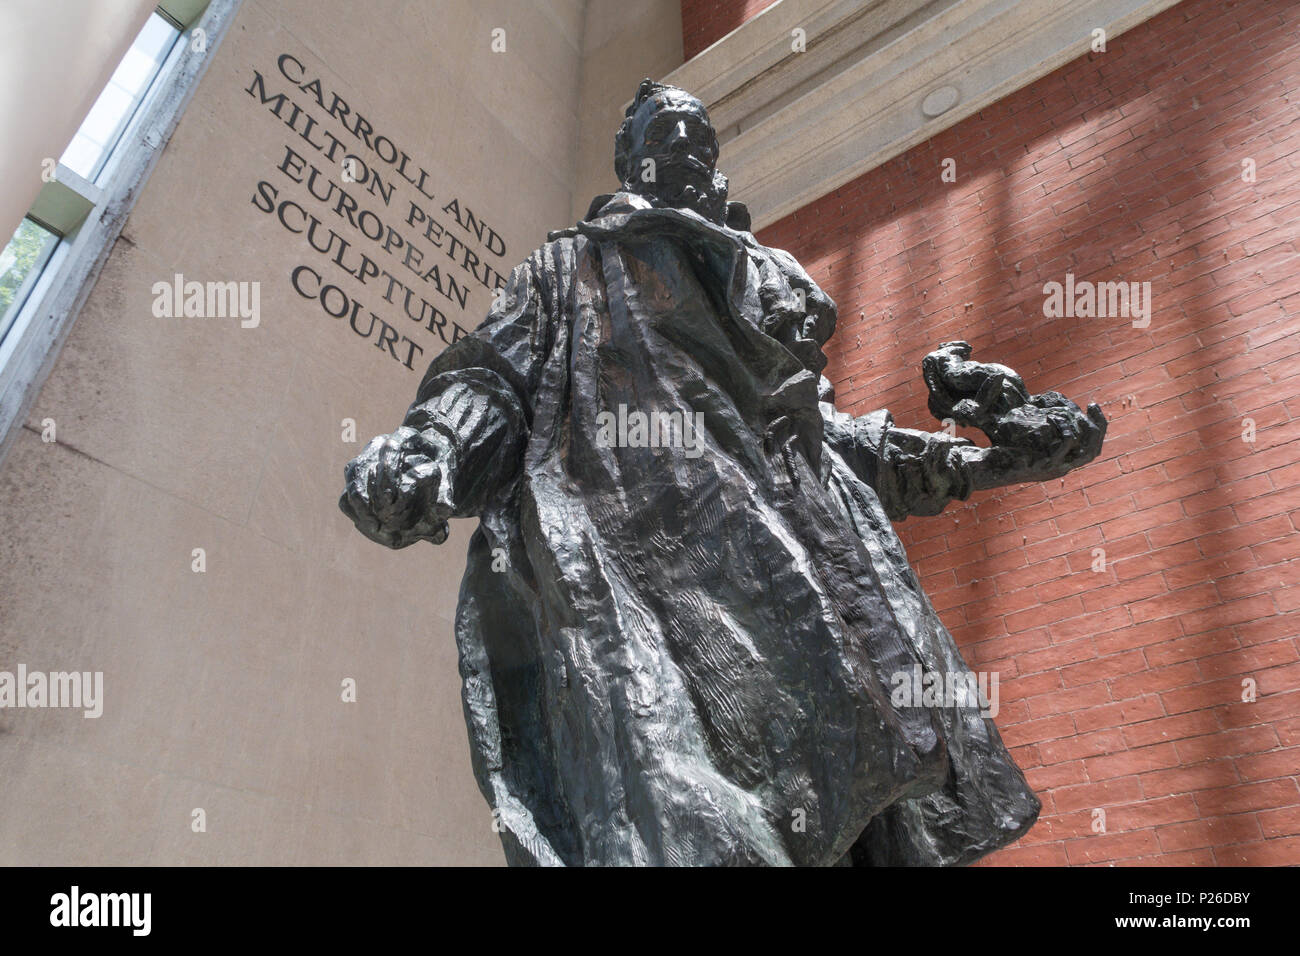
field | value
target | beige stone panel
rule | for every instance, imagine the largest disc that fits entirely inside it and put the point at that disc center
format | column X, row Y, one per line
column 216, row 187
column 64, row 807
column 297, row 498
column 200, row 195
column 70, row 808
column 406, row 54
column 429, row 92
column 625, row 42
column 250, row 829
column 232, row 676
column 49, row 515
column 522, row 201
column 228, row 140
column 570, row 16
column 186, row 404
column 633, row 23
column 225, row 141
column 399, row 754
column 375, row 385
column 523, row 196
column 536, row 35
column 190, row 660
column 531, row 87
column 375, row 378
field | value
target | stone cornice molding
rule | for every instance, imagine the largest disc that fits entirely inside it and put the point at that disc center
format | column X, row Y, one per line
column 797, row 125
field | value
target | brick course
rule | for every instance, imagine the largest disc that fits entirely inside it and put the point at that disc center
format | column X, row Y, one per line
column 705, row 22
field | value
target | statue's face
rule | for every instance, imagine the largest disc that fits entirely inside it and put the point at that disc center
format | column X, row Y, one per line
column 672, row 130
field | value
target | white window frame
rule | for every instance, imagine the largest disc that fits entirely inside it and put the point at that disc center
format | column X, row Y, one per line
column 89, row 217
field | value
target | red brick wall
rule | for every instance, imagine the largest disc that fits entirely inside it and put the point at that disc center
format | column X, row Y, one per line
column 1120, row 691
column 705, row 22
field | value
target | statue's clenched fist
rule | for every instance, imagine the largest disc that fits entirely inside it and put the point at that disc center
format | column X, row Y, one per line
column 398, row 490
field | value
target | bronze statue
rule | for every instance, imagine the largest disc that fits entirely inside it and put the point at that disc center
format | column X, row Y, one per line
column 679, row 653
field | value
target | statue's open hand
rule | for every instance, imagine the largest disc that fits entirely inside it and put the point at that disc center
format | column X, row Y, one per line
column 398, row 489
column 1034, row 437
column 1077, row 435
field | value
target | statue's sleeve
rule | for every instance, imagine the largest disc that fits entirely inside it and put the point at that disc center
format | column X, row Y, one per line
column 475, row 400
column 912, row 472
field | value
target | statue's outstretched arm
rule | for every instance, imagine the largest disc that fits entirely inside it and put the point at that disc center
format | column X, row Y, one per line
column 1034, row 437
column 462, row 439
column 450, row 452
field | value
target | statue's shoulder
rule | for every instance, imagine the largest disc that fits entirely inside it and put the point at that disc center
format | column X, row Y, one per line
column 739, row 221
column 606, row 204
column 780, row 260
column 623, row 202
column 738, row 218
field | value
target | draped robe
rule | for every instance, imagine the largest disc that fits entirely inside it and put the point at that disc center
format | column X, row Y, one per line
column 686, row 656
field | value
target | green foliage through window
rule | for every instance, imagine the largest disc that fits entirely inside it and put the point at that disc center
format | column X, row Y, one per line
column 27, row 251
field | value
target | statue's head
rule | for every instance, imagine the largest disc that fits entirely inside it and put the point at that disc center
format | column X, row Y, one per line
column 667, row 151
